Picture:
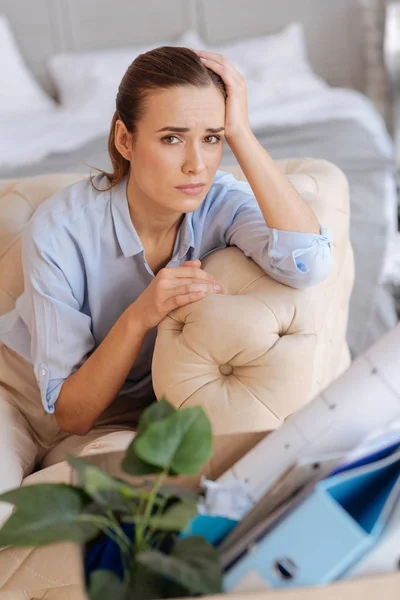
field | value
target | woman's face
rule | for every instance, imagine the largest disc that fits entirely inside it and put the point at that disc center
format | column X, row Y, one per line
column 179, row 141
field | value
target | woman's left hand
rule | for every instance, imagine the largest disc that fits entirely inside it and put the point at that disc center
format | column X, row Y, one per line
column 236, row 111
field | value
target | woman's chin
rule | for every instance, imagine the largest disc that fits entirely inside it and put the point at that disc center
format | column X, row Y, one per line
column 188, row 204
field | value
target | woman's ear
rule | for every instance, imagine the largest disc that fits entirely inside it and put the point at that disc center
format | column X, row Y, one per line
column 123, row 140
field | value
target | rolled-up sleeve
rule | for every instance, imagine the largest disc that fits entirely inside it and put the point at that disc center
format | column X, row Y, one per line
column 60, row 331
column 295, row 259
column 302, row 259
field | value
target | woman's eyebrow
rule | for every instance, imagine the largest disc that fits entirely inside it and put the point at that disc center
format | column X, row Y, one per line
column 185, row 129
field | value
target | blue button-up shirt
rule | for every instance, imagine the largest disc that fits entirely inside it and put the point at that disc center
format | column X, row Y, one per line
column 84, row 264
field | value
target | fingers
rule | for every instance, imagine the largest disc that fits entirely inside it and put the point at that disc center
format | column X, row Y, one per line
column 183, row 299
column 219, row 65
column 222, row 66
column 173, row 284
column 186, row 294
column 207, row 288
column 189, row 272
column 186, row 283
column 219, row 58
column 191, row 263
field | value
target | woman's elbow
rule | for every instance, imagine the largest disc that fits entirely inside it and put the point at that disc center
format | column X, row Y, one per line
column 68, row 421
column 70, row 425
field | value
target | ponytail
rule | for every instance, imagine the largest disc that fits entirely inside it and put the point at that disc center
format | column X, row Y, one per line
column 119, row 164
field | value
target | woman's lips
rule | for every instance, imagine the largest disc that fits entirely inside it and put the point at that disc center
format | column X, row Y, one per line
column 191, row 190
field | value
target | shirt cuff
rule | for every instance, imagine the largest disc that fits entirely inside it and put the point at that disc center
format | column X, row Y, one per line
column 292, row 252
column 49, row 388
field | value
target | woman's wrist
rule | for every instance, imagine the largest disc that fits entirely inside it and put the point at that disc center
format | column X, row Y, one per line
column 135, row 322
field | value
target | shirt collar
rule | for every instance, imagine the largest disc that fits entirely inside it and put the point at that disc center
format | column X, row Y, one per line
column 185, row 238
column 127, row 236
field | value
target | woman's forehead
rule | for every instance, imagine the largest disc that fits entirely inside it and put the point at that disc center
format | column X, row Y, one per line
column 186, row 105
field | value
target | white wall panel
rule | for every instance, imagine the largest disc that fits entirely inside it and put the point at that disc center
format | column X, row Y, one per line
column 107, row 24
column 333, row 27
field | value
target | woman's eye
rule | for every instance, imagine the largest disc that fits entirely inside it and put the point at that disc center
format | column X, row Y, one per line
column 216, row 139
column 172, row 140
column 168, row 138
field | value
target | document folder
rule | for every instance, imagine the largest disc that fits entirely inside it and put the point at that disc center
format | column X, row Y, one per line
column 331, row 529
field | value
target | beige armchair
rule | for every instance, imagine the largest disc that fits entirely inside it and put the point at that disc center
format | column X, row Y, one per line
column 250, row 357
column 254, row 355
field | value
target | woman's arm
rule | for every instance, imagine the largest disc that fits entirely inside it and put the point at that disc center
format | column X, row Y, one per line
column 91, row 389
column 281, row 205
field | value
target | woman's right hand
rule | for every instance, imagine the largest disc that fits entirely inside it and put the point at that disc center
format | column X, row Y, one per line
column 173, row 287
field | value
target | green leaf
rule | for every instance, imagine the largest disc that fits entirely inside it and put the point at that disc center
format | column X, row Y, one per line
column 131, row 463
column 180, row 443
column 173, row 590
column 185, row 494
column 104, row 489
column 193, row 564
column 105, row 584
column 175, row 518
column 155, row 412
column 46, row 513
column 146, row 585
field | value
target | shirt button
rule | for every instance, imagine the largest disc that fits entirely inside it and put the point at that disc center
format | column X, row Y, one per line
column 302, row 267
column 43, row 371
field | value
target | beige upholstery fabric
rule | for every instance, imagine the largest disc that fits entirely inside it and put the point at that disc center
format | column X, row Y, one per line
column 260, row 352
column 52, row 572
column 283, row 345
column 254, row 355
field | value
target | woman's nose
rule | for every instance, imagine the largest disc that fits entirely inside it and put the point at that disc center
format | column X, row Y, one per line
column 194, row 161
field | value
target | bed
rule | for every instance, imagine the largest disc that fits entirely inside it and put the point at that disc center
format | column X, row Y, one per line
column 338, row 121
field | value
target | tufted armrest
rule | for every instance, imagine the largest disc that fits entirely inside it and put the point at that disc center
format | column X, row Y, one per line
column 261, row 351
column 19, row 198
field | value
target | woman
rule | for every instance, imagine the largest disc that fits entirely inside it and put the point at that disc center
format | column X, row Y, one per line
column 106, row 259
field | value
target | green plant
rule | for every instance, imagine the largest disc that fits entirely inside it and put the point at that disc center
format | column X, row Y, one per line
column 168, row 443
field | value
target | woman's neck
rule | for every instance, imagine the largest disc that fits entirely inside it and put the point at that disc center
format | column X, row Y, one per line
column 150, row 222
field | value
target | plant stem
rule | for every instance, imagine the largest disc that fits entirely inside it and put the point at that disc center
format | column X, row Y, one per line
column 140, row 529
column 117, row 527
column 109, row 528
column 159, row 511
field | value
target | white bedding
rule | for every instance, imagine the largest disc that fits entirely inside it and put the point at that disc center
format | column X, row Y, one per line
column 32, row 137
column 326, row 104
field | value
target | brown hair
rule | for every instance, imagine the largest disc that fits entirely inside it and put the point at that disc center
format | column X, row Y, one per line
column 161, row 68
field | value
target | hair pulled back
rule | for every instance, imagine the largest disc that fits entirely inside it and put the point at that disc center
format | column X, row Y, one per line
column 161, row 68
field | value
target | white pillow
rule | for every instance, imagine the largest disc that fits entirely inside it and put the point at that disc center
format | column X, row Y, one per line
column 19, row 90
column 275, row 66
column 255, row 55
column 87, row 82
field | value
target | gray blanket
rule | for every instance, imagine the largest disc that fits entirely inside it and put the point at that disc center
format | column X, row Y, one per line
column 373, row 203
